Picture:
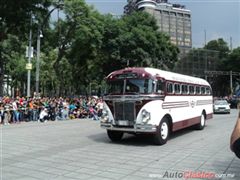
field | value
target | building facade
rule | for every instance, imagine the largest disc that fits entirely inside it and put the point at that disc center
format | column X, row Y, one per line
column 172, row 19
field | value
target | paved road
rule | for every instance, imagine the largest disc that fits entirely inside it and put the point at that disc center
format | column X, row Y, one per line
column 80, row 149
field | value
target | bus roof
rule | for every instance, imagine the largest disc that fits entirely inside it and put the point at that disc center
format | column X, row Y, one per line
column 154, row 73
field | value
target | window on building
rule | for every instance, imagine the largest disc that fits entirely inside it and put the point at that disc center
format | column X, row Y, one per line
column 180, row 14
column 165, row 12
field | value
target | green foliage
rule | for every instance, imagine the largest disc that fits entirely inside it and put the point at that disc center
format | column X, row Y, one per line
column 232, row 63
column 13, row 52
column 227, row 61
column 15, row 15
column 134, row 39
column 218, row 45
column 80, row 49
column 15, row 20
column 84, row 46
column 215, row 56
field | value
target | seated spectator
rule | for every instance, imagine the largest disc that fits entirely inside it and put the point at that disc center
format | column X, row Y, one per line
column 83, row 113
column 93, row 113
column 64, row 114
column 43, row 117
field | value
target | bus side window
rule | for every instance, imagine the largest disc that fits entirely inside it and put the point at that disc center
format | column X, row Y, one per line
column 160, row 87
column 184, row 89
column 170, row 88
column 198, row 90
column 177, row 89
column 191, row 89
column 202, row 90
column 208, row 91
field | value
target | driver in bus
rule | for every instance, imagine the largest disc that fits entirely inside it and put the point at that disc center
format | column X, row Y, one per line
column 132, row 88
column 235, row 138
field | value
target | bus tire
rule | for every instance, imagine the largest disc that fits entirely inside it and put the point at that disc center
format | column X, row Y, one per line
column 162, row 134
column 201, row 125
column 115, row 136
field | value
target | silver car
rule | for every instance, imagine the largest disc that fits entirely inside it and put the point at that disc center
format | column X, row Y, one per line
column 221, row 106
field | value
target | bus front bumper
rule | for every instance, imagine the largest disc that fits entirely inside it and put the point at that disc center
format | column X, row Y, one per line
column 138, row 128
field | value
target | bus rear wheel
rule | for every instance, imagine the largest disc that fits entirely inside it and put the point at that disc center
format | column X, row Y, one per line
column 115, row 136
column 202, row 122
column 162, row 133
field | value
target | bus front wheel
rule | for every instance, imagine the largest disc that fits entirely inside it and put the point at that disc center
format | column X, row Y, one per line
column 115, row 135
column 162, row 133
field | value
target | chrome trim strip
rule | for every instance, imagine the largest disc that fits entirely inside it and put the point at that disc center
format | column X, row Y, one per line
column 133, row 97
column 135, row 129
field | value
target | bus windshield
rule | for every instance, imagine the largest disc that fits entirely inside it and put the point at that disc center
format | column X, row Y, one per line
column 129, row 86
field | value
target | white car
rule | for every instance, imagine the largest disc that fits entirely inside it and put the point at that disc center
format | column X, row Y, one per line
column 221, row 106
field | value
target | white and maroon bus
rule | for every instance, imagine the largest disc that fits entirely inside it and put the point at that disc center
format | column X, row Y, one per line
column 153, row 101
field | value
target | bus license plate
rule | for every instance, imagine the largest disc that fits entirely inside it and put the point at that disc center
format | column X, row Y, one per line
column 123, row 123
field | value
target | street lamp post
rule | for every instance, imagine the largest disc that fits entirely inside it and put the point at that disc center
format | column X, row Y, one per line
column 29, row 59
column 38, row 59
column 38, row 46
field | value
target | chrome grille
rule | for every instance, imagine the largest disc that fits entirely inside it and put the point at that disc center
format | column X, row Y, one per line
column 124, row 111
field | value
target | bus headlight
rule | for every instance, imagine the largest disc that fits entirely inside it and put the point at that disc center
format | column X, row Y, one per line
column 146, row 116
column 104, row 112
column 105, row 116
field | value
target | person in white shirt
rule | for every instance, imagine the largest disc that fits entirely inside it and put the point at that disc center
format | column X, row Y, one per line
column 16, row 115
column 43, row 117
column 99, row 107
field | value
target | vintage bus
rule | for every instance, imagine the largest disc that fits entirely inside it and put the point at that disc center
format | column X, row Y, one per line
column 156, row 102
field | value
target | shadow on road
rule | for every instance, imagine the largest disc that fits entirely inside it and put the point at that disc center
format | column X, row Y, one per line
column 182, row 132
column 138, row 139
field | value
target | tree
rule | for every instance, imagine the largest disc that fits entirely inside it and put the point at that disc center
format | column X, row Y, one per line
column 233, row 61
column 220, row 84
column 135, row 39
column 96, row 44
column 218, row 45
column 13, row 53
column 85, row 46
column 80, row 40
column 14, row 19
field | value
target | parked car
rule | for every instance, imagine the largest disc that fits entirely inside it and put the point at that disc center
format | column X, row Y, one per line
column 221, row 106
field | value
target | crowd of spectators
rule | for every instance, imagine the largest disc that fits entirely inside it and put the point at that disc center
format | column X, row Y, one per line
column 16, row 110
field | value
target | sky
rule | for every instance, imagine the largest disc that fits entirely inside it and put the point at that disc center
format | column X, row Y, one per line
column 218, row 18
